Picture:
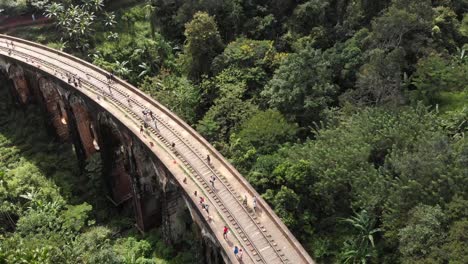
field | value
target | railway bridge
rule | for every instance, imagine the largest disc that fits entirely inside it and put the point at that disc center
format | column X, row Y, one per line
column 158, row 174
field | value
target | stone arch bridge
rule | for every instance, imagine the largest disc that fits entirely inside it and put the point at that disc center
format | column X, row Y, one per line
column 153, row 174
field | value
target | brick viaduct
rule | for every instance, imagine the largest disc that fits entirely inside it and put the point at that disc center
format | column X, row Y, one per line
column 154, row 174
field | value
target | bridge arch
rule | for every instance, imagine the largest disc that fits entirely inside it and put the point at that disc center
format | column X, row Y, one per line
column 116, row 160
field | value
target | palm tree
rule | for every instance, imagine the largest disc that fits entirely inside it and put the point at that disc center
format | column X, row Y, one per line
column 120, row 68
column 146, row 68
column 109, row 19
column 54, row 10
column 360, row 248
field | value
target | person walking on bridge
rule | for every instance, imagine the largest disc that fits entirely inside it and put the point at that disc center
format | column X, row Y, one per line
column 212, row 180
column 254, row 203
column 110, row 77
column 129, row 101
column 236, row 250
column 225, row 232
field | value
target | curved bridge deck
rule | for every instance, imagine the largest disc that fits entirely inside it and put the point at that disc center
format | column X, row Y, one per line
column 262, row 235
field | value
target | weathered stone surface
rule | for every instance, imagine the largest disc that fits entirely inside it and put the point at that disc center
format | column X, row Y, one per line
column 16, row 74
column 55, row 107
column 115, row 157
column 84, row 125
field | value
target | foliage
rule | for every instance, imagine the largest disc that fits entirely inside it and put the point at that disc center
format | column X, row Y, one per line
column 435, row 74
column 177, row 93
column 301, row 87
column 422, row 233
column 78, row 22
column 259, row 135
column 361, row 248
column 227, row 113
column 379, row 82
column 203, row 43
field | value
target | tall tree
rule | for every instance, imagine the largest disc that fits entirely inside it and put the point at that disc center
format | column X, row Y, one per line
column 301, row 87
column 203, row 43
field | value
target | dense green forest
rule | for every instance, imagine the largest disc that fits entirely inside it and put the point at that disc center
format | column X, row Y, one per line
column 348, row 116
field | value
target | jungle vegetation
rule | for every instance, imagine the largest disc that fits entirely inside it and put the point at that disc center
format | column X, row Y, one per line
column 348, row 116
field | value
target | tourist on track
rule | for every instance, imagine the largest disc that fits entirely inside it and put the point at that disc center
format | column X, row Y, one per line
column 110, row 77
column 225, row 232
column 254, row 203
column 240, row 254
column 129, row 101
column 212, row 180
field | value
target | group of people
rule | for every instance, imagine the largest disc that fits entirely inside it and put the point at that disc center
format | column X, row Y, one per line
column 204, row 205
column 147, row 115
column 212, row 180
column 10, row 47
column 73, row 78
column 237, row 251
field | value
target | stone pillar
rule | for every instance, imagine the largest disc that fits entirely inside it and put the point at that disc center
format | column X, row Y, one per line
column 20, row 84
column 148, row 174
column 115, row 160
column 55, row 108
column 85, row 126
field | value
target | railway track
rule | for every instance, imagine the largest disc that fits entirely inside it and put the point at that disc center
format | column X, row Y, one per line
column 252, row 235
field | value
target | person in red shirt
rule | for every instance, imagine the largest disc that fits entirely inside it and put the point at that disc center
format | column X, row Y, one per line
column 225, row 232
